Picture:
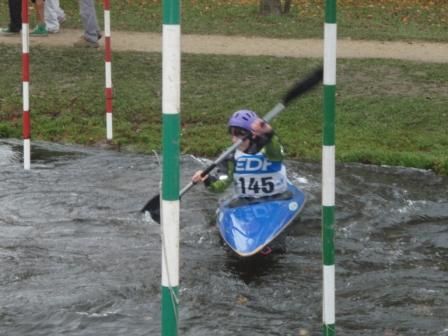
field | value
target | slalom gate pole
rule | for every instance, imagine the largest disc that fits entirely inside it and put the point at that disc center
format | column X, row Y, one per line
column 26, row 126
column 328, row 169
column 170, row 203
column 108, row 69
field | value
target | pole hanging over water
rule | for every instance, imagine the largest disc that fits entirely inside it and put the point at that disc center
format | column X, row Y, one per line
column 26, row 126
column 328, row 169
column 171, row 55
column 108, row 69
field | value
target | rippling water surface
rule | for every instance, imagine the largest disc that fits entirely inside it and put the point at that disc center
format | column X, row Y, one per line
column 78, row 258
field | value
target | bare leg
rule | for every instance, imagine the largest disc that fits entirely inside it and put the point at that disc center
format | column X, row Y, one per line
column 39, row 5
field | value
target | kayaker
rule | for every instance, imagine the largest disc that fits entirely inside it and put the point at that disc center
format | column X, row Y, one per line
column 256, row 167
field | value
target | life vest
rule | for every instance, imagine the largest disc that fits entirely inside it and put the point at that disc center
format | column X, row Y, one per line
column 256, row 176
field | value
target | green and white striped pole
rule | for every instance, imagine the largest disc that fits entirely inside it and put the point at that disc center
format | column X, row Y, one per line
column 170, row 181
column 328, row 169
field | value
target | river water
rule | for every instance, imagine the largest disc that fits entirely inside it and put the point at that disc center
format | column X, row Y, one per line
column 78, row 258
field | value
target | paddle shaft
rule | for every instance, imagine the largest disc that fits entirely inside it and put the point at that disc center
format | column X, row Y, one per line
column 153, row 205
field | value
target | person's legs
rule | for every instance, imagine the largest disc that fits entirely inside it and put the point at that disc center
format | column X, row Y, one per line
column 51, row 16
column 15, row 16
column 39, row 6
column 59, row 11
column 40, row 29
column 88, row 15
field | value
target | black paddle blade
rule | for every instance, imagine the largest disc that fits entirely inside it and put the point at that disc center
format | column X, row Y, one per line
column 304, row 85
column 153, row 207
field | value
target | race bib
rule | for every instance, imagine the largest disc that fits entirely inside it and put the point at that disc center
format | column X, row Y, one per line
column 256, row 176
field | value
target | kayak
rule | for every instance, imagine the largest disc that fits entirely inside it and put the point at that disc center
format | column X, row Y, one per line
column 249, row 226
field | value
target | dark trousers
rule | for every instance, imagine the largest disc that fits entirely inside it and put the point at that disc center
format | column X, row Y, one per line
column 15, row 15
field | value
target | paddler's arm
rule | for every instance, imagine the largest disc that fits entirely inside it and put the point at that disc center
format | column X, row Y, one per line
column 273, row 149
column 265, row 140
column 218, row 184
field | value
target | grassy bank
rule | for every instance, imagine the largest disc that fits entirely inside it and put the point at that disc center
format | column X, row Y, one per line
column 388, row 112
column 357, row 19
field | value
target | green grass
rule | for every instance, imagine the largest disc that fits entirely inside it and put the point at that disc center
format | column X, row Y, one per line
column 360, row 19
column 388, row 112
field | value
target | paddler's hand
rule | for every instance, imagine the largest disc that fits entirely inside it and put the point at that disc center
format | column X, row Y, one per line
column 260, row 127
column 197, row 178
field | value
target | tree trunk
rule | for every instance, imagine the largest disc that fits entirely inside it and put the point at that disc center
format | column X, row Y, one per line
column 274, row 7
column 287, row 6
column 270, row 7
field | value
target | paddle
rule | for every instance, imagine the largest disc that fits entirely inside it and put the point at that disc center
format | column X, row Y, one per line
column 299, row 88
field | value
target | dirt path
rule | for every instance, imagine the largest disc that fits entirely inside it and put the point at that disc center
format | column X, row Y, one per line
column 237, row 45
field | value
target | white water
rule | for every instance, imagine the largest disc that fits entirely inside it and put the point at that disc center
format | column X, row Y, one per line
column 78, row 258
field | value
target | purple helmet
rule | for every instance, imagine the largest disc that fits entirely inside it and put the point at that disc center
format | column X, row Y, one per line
column 242, row 119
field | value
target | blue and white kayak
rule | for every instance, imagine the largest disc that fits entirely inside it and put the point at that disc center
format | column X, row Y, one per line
column 248, row 226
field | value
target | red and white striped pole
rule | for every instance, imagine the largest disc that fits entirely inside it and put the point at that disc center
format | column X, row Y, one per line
column 108, row 71
column 26, row 86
